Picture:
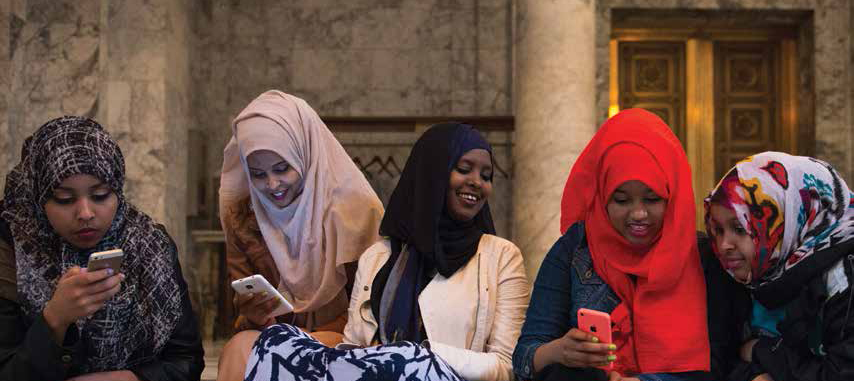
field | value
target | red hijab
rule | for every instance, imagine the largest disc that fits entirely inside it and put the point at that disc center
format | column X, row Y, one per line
column 660, row 326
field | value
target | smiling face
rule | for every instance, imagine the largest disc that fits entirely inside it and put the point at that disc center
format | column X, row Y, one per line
column 636, row 212
column 470, row 185
column 734, row 245
column 274, row 177
column 81, row 210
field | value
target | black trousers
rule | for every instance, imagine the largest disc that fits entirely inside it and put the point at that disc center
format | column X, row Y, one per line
column 558, row 372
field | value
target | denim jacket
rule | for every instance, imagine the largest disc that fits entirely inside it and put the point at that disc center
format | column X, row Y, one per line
column 566, row 282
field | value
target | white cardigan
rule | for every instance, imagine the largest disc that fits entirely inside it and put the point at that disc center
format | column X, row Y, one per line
column 472, row 319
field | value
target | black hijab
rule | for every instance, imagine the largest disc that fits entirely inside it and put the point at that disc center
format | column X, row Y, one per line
column 425, row 240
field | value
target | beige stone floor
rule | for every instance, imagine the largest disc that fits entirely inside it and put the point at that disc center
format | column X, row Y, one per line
column 212, row 351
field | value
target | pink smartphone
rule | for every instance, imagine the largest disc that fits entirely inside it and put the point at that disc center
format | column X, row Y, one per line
column 596, row 323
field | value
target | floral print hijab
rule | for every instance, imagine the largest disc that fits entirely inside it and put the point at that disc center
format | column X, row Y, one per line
column 795, row 208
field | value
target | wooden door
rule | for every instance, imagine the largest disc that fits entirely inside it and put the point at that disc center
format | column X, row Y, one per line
column 652, row 77
column 747, row 95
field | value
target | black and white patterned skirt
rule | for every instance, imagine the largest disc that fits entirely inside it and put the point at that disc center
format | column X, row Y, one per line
column 284, row 352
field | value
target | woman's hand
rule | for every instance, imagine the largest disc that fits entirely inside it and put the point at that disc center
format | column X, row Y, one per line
column 120, row 375
column 763, row 377
column 79, row 294
column 257, row 308
column 576, row 349
column 746, row 351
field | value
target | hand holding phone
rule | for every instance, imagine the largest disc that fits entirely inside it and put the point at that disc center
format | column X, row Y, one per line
column 598, row 324
column 79, row 293
column 257, row 286
column 575, row 349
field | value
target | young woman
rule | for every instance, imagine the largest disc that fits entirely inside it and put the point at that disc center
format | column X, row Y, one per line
column 442, row 295
column 783, row 226
column 58, row 321
column 629, row 249
column 297, row 210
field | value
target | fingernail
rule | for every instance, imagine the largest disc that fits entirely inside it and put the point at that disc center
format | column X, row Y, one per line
column 123, row 276
column 612, row 347
column 264, row 293
column 109, row 271
column 612, row 357
column 595, row 339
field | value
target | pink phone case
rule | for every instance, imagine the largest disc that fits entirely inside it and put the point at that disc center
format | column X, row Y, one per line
column 598, row 324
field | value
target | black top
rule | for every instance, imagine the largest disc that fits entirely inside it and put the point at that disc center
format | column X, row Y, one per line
column 816, row 336
column 724, row 298
column 28, row 350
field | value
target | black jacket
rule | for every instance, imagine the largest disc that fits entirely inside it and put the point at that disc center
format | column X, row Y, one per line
column 817, row 334
column 28, row 350
column 725, row 299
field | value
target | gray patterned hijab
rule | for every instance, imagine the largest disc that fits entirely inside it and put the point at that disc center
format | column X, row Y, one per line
column 136, row 323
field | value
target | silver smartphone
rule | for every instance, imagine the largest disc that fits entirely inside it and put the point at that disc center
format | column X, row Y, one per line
column 106, row 259
column 256, row 284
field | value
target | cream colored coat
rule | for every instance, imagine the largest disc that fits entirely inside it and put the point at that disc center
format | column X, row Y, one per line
column 473, row 318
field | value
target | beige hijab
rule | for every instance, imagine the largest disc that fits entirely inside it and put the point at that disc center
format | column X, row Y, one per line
column 331, row 223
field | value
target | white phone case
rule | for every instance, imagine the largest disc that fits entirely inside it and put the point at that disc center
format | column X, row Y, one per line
column 256, row 284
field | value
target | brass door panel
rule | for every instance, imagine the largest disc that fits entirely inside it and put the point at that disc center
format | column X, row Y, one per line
column 652, row 77
column 746, row 98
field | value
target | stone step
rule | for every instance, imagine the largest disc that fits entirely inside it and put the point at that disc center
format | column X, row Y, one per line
column 212, row 351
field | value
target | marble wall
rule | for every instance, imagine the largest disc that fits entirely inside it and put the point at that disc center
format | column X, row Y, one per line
column 352, row 58
column 6, row 146
column 144, row 98
column 50, row 69
column 124, row 63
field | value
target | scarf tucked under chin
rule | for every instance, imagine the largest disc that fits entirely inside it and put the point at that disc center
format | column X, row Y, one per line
column 425, row 240
column 459, row 240
column 135, row 324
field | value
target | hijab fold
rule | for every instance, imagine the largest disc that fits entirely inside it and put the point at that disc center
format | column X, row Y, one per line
column 660, row 324
column 135, row 324
column 425, row 240
column 329, row 224
column 800, row 214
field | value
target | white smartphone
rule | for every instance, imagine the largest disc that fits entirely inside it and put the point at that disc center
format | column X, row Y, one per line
column 256, row 284
column 106, row 259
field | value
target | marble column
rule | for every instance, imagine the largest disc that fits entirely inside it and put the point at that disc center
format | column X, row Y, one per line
column 49, row 67
column 555, row 114
column 5, row 89
column 144, row 56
